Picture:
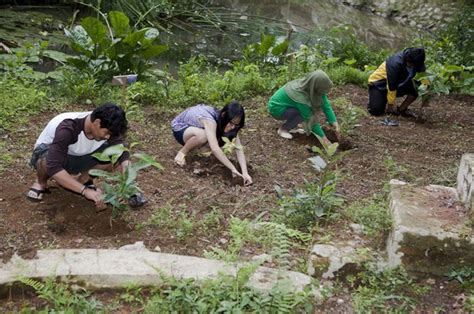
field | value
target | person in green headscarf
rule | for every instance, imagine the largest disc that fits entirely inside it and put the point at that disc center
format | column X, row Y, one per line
column 301, row 101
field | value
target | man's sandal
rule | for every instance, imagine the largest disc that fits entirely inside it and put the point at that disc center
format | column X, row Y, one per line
column 36, row 195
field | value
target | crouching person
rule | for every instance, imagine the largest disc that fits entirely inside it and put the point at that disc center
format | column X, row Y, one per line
column 65, row 147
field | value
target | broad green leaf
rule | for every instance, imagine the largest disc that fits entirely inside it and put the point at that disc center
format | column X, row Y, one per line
column 131, row 175
column 318, row 163
column 56, row 55
column 453, row 68
column 151, row 33
column 101, row 157
column 350, row 61
column 281, row 48
column 100, row 173
column 120, row 23
column 153, row 51
column 78, row 35
column 150, row 160
column 95, row 29
column 115, row 150
column 331, row 149
column 133, row 38
column 266, row 41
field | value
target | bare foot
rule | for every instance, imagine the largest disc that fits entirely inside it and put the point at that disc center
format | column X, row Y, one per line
column 180, row 159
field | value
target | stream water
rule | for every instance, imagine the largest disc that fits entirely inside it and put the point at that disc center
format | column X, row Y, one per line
column 246, row 19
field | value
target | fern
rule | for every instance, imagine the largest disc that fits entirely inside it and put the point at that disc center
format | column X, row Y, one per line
column 38, row 286
column 281, row 242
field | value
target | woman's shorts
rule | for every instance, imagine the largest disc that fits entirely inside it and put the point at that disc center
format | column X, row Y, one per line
column 179, row 135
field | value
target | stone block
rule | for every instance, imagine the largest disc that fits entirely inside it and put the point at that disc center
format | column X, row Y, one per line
column 465, row 186
column 327, row 261
column 430, row 232
column 113, row 269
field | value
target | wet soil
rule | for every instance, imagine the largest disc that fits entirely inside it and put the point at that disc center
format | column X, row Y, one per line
column 422, row 152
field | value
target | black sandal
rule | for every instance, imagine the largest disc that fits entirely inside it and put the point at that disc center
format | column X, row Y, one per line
column 39, row 194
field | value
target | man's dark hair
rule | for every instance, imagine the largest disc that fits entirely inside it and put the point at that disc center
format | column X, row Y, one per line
column 112, row 117
column 227, row 114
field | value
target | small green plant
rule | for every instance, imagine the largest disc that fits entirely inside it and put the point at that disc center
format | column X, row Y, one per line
column 377, row 291
column 350, row 115
column 132, row 295
column 372, row 213
column 443, row 79
column 318, row 198
column 119, row 187
column 230, row 146
column 62, row 298
column 227, row 294
column 464, row 275
column 268, row 50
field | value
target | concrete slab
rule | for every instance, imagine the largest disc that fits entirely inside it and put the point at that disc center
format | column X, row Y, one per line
column 99, row 269
column 465, row 184
column 430, row 232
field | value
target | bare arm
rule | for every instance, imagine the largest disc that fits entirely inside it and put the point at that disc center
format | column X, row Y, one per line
column 67, row 181
column 210, row 129
column 242, row 162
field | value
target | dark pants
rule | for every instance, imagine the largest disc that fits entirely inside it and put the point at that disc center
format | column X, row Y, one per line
column 74, row 164
column 378, row 98
column 292, row 117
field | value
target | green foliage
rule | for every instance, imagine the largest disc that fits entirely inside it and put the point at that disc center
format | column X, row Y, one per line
column 62, row 298
column 19, row 64
column 240, row 233
column 317, row 199
column 453, row 44
column 20, row 99
column 113, row 48
column 443, row 79
column 280, row 237
column 230, row 146
column 268, row 50
column 180, row 223
column 349, row 116
column 372, row 214
column 343, row 74
column 119, row 187
column 464, row 275
column 341, row 42
column 377, row 291
column 227, row 294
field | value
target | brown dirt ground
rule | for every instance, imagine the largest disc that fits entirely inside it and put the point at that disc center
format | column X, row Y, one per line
column 424, row 152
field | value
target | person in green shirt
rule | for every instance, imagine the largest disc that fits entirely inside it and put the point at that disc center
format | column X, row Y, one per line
column 301, row 101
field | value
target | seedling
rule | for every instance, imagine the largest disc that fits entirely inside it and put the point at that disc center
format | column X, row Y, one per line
column 119, row 187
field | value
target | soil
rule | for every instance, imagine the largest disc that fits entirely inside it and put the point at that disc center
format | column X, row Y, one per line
column 422, row 152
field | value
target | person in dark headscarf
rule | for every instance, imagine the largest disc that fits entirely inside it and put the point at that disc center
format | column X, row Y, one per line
column 394, row 78
column 301, row 101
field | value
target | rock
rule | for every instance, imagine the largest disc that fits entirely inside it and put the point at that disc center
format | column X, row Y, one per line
column 427, row 236
column 262, row 258
column 137, row 246
column 465, row 185
column 109, row 269
column 337, row 259
column 157, row 249
column 223, row 241
column 356, row 228
column 78, row 241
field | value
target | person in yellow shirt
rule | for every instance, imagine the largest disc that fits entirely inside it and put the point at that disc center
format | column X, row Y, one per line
column 394, row 78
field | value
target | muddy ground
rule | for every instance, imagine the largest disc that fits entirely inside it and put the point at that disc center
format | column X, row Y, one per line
column 421, row 152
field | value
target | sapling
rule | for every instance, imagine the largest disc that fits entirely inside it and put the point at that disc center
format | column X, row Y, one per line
column 120, row 186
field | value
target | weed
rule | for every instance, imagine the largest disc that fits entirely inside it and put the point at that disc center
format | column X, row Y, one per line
column 372, row 213
column 350, row 115
column 62, row 298
column 227, row 294
column 377, row 291
column 464, row 275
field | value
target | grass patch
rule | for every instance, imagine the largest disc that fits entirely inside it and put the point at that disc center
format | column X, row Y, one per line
column 391, row 291
column 372, row 213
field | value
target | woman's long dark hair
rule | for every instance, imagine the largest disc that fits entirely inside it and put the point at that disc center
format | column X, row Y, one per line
column 227, row 114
